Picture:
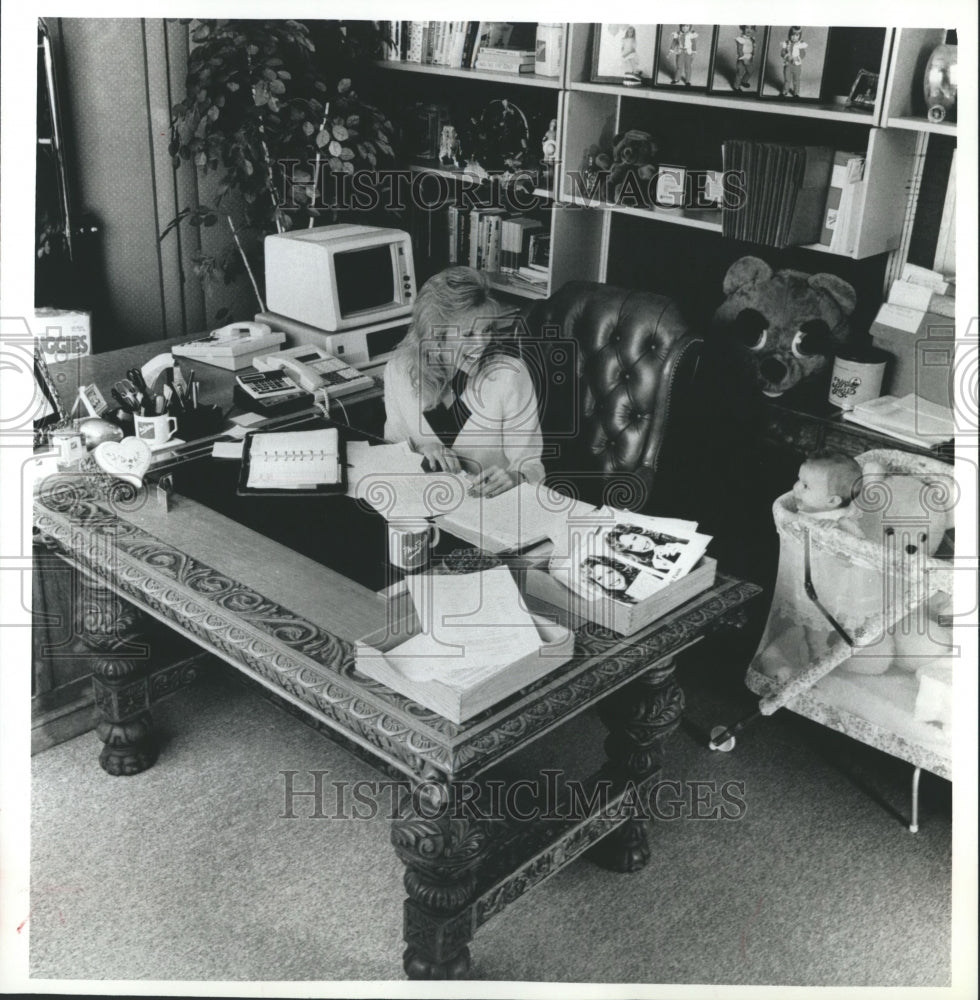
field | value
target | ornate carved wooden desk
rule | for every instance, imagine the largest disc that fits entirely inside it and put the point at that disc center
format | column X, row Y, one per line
column 289, row 623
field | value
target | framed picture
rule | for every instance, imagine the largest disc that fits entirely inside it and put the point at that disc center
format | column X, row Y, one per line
column 684, row 55
column 670, row 186
column 795, row 56
column 864, row 91
column 738, row 58
column 624, row 53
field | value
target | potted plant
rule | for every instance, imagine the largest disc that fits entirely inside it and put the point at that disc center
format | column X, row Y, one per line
column 270, row 119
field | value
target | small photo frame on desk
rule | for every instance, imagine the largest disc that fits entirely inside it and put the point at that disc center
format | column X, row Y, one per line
column 684, row 56
column 624, row 53
column 795, row 57
column 739, row 55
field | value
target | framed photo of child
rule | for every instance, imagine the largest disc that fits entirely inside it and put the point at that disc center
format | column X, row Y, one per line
column 684, row 55
column 739, row 55
column 795, row 56
column 624, row 53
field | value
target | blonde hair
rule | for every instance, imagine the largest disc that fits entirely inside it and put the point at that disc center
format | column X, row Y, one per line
column 449, row 305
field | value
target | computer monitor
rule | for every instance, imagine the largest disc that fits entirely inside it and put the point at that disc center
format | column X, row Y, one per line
column 340, row 277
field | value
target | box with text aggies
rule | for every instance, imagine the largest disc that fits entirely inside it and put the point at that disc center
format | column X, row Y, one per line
column 62, row 334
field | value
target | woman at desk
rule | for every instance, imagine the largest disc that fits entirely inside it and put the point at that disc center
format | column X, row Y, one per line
column 456, row 395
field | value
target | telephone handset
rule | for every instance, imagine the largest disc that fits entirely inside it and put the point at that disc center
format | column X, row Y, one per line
column 312, row 368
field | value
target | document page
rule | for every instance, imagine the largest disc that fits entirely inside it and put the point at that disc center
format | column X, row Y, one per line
column 526, row 514
column 473, row 625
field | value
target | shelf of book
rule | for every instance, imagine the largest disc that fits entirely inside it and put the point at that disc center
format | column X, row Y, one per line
column 828, row 112
column 709, row 220
column 515, row 79
column 502, row 282
column 922, row 125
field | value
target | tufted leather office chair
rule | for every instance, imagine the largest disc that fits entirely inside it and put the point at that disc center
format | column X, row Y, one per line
column 614, row 370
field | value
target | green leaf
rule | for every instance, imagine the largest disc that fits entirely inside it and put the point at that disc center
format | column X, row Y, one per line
column 249, row 169
column 347, row 154
column 335, row 148
column 210, row 219
column 347, row 167
column 232, row 86
column 277, row 87
column 269, row 74
column 335, row 164
column 213, row 112
column 340, row 132
column 322, row 138
column 284, row 74
column 200, row 159
column 343, row 85
column 308, row 128
column 353, row 120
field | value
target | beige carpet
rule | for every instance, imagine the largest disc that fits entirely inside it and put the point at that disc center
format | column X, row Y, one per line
column 187, row 872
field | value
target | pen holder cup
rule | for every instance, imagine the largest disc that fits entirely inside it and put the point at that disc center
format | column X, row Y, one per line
column 200, row 422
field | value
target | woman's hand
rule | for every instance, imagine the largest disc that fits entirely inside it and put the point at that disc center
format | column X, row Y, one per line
column 439, row 458
column 493, row 481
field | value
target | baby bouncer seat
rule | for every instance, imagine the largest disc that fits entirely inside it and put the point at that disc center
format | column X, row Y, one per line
column 858, row 636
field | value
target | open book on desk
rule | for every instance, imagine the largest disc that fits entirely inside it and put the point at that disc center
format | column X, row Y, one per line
column 293, row 462
column 523, row 516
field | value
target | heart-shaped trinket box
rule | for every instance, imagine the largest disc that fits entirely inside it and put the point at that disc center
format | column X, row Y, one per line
column 127, row 459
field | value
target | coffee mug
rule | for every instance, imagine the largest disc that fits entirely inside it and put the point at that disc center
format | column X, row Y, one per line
column 409, row 544
column 155, row 430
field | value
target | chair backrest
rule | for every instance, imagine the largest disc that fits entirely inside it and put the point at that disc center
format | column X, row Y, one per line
column 613, row 369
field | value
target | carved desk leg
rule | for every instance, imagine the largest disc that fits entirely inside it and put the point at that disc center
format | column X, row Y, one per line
column 639, row 718
column 441, row 853
column 111, row 628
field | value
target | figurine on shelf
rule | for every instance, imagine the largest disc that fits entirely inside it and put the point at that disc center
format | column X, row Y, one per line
column 744, row 56
column 549, row 143
column 793, row 52
column 683, row 46
column 449, row 147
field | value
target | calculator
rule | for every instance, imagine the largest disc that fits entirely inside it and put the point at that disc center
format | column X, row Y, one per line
column 270, row 393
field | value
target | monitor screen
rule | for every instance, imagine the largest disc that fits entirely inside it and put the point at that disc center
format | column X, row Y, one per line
column 365, row 279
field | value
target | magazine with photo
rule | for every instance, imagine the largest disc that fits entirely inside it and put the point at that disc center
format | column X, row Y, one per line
column 665, row 555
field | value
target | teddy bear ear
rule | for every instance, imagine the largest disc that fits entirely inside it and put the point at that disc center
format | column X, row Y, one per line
column 745, row 271
column 838, row 289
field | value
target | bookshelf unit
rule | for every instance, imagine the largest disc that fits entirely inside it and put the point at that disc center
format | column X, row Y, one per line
column 464, row 91
column 588, row 236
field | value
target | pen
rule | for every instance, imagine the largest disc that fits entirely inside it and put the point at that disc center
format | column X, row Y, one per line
column 193, row 392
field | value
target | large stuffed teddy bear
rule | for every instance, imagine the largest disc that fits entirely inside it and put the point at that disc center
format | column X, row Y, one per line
column 788, row 322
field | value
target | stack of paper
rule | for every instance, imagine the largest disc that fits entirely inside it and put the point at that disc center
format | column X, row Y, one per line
column 523, row 516
column 629, row 557
column 471, row 642
column 910, row 418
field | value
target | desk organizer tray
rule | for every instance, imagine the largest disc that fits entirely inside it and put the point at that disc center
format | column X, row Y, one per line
column 624, row 619
column 457, row 702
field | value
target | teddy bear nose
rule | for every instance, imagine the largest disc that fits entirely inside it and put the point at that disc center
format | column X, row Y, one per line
column 773, row 370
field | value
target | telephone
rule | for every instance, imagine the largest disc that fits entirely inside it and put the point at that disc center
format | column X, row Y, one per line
column 312, row 368
column 232, row 347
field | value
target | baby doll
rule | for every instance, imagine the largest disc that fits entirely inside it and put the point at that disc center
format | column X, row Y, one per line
column 744, row 56
column 793, row 52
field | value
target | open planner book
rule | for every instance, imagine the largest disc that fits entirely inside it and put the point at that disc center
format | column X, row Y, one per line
column 293, row 462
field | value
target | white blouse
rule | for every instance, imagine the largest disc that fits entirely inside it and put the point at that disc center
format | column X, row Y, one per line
column 503, row 428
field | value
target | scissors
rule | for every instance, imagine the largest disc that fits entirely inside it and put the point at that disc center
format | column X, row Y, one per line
column 136, row 377
column 125, row 393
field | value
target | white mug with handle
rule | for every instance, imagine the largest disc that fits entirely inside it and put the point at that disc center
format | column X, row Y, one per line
column 155, row 431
